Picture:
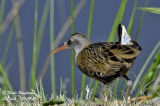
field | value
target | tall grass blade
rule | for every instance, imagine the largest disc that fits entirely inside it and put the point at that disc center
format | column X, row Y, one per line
column 90, row 19
column 153, row 73
column 6, row 82
column 42, row 92
column 42, row 26
column 72, row 73
column 72, row 54
column 88, row 34
column 150, row 75
column 83, row 86
column 140, row 24
column 1, row 17
column 115, row 88
column 38, row 92
column 90, row 83
column 41, row 33
column 8, row 44
column 117, row 20
column 20, row 53
column 13, row 12
column 129, row 32
column 95, row 89
column 156, row 86
column 5, row 78
column 61, row 86
column 150, row 9
column 6, row 49
column 20, row 49
column 52, row 46
column 144, row 66
column 132, row 18
column 157, row 90
column 34, row 46
column 60, row 36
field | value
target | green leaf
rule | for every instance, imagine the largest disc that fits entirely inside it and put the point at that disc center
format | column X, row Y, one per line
column 150, row 9
column 117, row 20
column 95, row 89
column 51, row 46
column 34, row 46
column 6, row 80
column 132, row 18
column 42, row 92
column 140, row 23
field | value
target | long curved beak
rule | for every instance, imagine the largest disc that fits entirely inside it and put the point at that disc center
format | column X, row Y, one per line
column 62, row 47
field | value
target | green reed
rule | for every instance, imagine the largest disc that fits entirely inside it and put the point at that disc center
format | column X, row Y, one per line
column 1, row 17
column 88, row 34
column 42, row 92
column 51, row 46
column 20, row 53
column 117, row 20
column 72, row 54
column 143, row 69
column 150, row 76
column 40, row 34
column 42, row 26
column 140, row 24
column 6, row 80
column 8, row 44
column 34, row 45
column 155, row 10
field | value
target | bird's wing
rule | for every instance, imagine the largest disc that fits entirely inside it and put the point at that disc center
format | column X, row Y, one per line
column 111, row 63
column 106, row 58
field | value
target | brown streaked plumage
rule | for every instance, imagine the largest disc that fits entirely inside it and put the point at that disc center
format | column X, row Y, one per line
column 103, row 61
column 106, row 61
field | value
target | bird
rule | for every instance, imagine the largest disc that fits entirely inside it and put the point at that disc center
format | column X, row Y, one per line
column 104, row 61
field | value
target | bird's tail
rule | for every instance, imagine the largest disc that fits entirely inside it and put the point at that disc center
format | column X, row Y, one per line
column 136, row 46
column 119, row 31
column 123, row 37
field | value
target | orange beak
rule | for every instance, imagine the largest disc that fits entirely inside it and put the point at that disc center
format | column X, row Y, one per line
column 58, row 49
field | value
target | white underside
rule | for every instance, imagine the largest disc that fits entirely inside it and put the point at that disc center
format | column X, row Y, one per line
column 77, row 50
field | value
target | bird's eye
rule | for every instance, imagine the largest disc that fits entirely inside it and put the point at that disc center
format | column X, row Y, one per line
column 69, row 42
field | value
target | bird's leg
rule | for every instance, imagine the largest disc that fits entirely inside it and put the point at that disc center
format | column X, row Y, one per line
column 110, row 94
column 109, row 89
column 106, row 92
column 129, row 84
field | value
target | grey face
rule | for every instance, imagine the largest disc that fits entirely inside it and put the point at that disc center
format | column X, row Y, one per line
column 77, row 42
column 73, row 43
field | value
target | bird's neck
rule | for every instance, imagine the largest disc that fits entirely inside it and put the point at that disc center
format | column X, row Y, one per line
column 81, row 46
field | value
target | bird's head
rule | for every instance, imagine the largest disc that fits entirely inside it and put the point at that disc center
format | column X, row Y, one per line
column 75, row 42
